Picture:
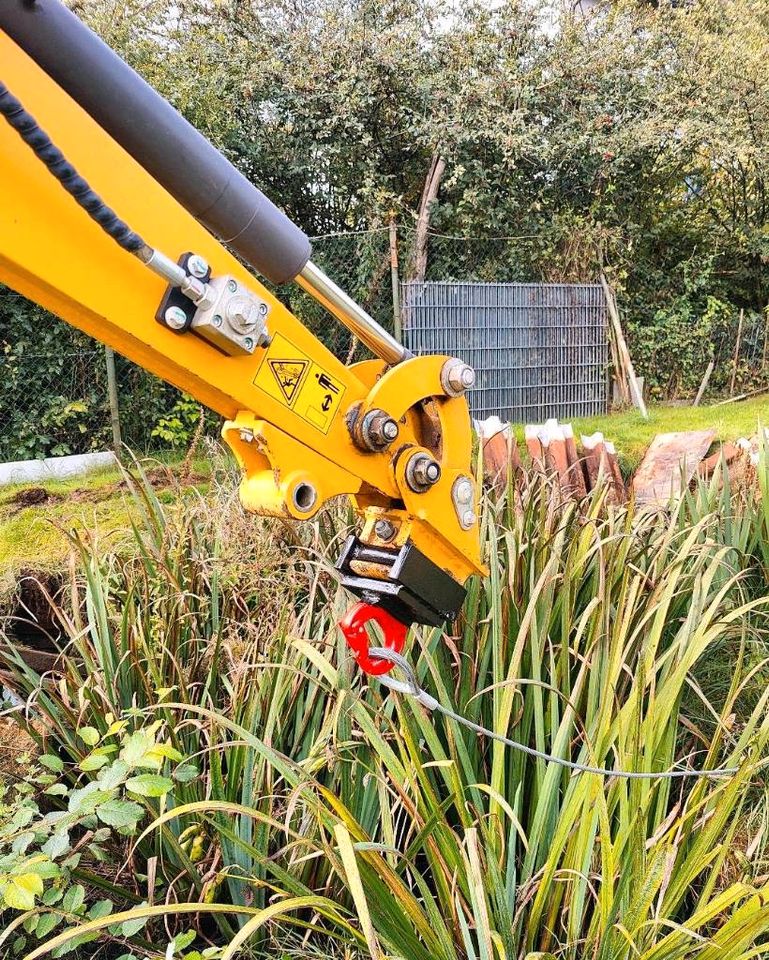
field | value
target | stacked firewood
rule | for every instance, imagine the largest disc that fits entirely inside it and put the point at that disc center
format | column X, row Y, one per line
column 670, row 465
column 552, row 450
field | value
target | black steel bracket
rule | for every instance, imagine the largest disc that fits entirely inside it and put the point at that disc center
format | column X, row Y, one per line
column 413, row 590
column 173, row 297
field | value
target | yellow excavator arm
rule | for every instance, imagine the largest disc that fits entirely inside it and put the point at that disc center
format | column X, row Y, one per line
column 111, row 208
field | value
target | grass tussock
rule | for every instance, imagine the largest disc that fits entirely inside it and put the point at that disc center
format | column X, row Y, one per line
column 319, row 815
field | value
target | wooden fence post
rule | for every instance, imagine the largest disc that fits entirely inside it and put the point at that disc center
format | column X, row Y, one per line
column 704, row 384
column 636, row 392
column 114, row 405
column 397, row 326
column 737, row 346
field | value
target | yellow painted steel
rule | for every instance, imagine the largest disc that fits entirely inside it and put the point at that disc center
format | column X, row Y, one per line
column 51, row 252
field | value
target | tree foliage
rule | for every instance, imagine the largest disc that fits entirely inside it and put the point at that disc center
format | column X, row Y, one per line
column 632, row 138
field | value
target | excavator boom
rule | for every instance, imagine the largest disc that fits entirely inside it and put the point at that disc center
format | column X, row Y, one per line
column 117, row 216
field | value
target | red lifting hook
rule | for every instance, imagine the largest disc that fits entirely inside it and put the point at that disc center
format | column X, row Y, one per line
column 353, row 626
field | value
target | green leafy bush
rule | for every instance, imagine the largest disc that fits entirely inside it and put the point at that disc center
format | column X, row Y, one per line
column 61, row 824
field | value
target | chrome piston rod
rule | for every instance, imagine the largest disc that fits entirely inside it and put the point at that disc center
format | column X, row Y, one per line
column 381, row 343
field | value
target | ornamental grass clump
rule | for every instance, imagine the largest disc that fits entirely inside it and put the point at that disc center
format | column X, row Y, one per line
column 314, row 812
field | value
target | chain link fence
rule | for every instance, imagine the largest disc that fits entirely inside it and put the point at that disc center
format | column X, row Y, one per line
column 57, row 403
column 54, row 396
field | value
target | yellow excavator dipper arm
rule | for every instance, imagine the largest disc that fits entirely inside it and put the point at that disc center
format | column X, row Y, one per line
column 111, row 204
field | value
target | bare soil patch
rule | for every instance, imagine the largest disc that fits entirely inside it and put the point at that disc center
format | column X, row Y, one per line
column 31, row 497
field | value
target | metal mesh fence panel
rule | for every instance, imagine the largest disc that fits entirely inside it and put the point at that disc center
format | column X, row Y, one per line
column 538, row 350
column 470, row 259
column 55, row 402
column 52, row 404
column 746, row 367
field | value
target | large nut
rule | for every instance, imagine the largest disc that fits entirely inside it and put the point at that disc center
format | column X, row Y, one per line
column 422, row 472
column 378, row 430
column 457, row 377
column 464, row 490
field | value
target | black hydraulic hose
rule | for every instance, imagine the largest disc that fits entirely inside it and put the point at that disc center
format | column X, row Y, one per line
column 172, row 151
column 38, row 140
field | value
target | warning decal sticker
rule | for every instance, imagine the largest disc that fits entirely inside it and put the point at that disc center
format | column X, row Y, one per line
column 291, row 377
column 288, row 373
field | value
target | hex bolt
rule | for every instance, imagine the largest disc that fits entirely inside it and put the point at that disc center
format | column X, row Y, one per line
column 263, row 308
column 422, row 472
column 242, row 314
column 385, row 530
column 467, row 377
column 232, row 286
column 378, row 430
column 248, row 343
column 457, row 377
column 217, row 321
column 197, row 266
column 468, row 519
column 175, row 318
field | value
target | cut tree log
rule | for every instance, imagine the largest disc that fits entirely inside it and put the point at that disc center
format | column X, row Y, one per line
column 620, row 490
column 576, row 472
column 556, row 459
column 534, row 446
column 501, row 458
column 669, row 465
column 727, row 452
column 600, row 461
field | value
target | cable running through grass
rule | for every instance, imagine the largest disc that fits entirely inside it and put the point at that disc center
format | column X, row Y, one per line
column 410, row 687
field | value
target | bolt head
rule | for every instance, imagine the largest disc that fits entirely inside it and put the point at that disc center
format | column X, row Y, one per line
column 389, row 430
column 432, row 472
column 242, row 314
column 468, row 518
column 248, row 343
column 217, row 321
column 175, row 318
column 384, row 529
column 457, row 377
column 263, row 308
column 232, row 286
column 464, row 491
column 197, row 266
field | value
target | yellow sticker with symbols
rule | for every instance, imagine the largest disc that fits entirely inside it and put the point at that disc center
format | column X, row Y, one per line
column 288, row 375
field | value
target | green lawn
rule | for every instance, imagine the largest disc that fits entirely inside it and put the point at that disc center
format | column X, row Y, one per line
column 631, row 434
column 99, row 504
